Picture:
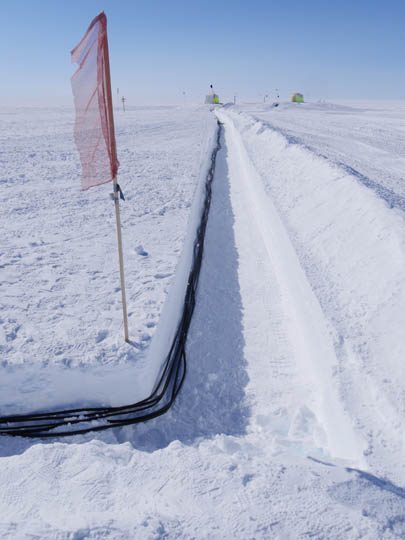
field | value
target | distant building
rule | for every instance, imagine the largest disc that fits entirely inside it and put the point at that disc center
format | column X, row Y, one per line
column 297, row 98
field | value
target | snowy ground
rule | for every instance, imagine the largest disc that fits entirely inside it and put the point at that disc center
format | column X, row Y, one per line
column 290, row 423
column 60, row 288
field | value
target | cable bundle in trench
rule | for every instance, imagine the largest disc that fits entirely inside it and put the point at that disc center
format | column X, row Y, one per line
column 83, row 420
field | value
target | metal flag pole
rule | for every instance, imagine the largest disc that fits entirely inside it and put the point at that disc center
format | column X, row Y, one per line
column 116, row 189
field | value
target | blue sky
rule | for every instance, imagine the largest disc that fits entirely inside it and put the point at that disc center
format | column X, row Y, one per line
column 160, row 49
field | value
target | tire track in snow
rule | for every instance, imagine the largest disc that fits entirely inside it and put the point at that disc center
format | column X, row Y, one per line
column 289, row 349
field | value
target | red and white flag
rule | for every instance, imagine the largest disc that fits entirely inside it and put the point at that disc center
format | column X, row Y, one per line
column 94, row 127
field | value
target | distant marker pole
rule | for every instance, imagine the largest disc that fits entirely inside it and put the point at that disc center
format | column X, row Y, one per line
column 123, row 103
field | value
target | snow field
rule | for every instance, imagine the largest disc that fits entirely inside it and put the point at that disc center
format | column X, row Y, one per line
column 267, row 385
column 61, row 300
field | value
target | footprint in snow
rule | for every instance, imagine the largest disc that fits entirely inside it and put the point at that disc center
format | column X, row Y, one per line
column 247, row 478
column 101, row 336
column 150, row 324
column 161, row 276
column 140, row 251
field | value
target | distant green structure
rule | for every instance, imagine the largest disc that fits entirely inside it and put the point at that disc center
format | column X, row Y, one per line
column 212, row 98
column 297, row 98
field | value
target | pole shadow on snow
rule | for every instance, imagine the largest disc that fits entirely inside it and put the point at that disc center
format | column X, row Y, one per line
column 211, row 400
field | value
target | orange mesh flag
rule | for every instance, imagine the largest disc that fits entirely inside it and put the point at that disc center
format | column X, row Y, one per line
column 94, row 127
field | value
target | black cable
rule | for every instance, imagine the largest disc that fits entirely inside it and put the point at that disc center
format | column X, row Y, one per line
column 170, row 380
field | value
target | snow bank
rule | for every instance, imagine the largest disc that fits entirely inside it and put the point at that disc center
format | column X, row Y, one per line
column 173, row 307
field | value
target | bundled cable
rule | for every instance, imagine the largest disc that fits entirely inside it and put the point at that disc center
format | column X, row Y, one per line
column 83, row 420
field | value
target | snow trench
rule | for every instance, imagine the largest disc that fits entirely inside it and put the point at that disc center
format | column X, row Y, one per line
column 262, row 357
column 287, row 337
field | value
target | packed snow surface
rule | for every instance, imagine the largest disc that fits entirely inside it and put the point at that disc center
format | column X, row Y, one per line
column 290, row 423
